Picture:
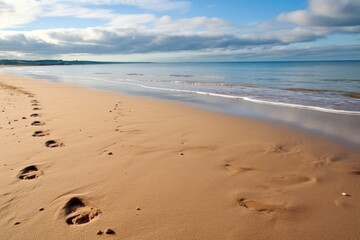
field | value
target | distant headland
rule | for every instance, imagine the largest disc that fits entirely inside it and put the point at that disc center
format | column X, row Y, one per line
column 17, row 62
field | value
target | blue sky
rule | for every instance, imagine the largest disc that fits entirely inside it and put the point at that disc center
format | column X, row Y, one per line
column 180, row 30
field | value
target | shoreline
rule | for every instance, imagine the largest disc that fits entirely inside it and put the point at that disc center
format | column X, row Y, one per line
column 120, row 162
column 342, row 128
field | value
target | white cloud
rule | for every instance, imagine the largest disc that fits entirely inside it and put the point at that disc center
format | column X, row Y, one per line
column 326, row 13
column 157, row 5
column 151, row 33
column 62, row 10
column 195, row 23
column 14, row 13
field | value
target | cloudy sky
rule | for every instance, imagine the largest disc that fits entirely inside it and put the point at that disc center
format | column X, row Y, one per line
column 180, row 30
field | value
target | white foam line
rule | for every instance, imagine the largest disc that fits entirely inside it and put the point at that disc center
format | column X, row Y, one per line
column 245, row 99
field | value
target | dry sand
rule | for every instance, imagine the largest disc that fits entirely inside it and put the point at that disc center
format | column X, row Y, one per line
column 151, row 169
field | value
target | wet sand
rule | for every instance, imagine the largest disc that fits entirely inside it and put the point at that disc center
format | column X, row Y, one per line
column 77, row 163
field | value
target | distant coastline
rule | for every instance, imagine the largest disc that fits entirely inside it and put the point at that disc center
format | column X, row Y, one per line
column 50, row 62
column 45, row 62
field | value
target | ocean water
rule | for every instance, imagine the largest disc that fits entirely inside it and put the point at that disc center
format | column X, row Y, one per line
column 294, row 92
column 322, row 86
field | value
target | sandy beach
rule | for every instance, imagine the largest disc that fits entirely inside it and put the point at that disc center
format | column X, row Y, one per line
column 77, row 163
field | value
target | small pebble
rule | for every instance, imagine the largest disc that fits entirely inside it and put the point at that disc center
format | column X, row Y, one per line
column 110, row 231
column 110, row 153
column 17, row 223
column 99, row 232
column 345, row 194
column 41, row 209
column 181, row 154
column 138, row 209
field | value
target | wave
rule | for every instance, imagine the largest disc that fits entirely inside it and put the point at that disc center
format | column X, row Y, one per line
column 135, row 74
column 212, row 84
column 101, row 73
column 182, row 75
column 308, row 90
column 344, row 93
column 341, row 80
column 299, row 106
column 193, row 76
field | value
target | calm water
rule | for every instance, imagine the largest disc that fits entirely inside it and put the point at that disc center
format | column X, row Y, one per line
column 297, row 92
column 325, row 86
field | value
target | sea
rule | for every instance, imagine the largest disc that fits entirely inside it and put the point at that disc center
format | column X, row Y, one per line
column 321, row 96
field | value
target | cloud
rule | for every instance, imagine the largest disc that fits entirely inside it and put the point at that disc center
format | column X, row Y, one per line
column 333, row 52
column 156, row 5
column 118, row 40
column 150, row 34
column 153, row 33
column 14, row 13
column 167, row 23
column 326, row 13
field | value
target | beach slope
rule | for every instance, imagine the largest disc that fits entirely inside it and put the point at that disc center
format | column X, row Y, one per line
column 77, row 163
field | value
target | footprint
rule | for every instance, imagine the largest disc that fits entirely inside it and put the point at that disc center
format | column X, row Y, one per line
column 355, row 172
column 292, row 179
column 53, row 144
column 237, row 169
column 34, row 115
column 34, row 101
column 35, row 104
column 37, row 123
column 36, row 108
column 260, row 207
column 280, row 148
column 107, row 152
column 30, row 172
column 39, row 134
column 347, row 168
column 77, row 212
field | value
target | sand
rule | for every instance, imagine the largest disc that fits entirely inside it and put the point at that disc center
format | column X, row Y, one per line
column 77, row 163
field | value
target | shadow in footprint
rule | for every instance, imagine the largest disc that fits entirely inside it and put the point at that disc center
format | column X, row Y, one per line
column 30, row 172
column 292, row 179
column 237, row 169
column 34, row 115
column 260, row 207
column 78, row 212
column 53, row 144
column 36, row 108
column 37, row 123
column 39, row 134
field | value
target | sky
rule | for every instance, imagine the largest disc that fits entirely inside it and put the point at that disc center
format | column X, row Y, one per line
column 180, row 30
